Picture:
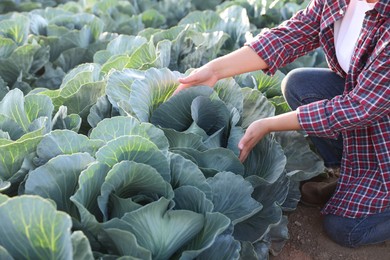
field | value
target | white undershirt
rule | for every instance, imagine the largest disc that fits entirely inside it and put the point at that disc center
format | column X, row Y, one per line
column 347, row 30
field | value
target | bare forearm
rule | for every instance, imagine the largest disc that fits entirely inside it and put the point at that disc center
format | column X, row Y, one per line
column 283, row 122
column 259, row 128
column 240, row 61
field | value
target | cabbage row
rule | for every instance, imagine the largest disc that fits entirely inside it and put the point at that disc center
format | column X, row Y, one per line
column 99, row 161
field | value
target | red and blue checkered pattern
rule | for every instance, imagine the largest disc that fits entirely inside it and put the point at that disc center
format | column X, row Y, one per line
column 361, row 114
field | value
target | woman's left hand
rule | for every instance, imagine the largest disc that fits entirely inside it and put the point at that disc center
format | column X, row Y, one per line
column 259, row 128
column 253, row 134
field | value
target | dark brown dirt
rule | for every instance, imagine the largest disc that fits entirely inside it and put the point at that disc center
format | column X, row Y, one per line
column 309, row 242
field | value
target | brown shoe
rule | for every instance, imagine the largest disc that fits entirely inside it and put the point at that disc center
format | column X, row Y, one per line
column 316, row 194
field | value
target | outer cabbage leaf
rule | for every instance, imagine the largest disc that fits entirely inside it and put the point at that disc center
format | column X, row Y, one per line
column 101, row 110
column 180, row 43
column 256, row 106
column 176, row 112
column 209, row 238
column 62, row 120
column 4, row 254
column 10, row 129
column 236, row 25
column 19, row 68
column 18, row 113
column 266, row 160
column 173, row 15
column 81, row 246
column 4, row 185
column 119, row 85
column 7, row 47
column 213, row 160
column 232, row 196
column 264, row 190
column 257, row 226
column 248, row 251
column 16, row 28
column 186, row 173
column 69, row 33
column 56, row 182
column 80, row 89
column 115, row 127
column 230, row 92
column 3, row 198
column 225, row 247
column 151, row 92
column 193, row 199
column 124, row 243
column 268, row 85
column 14, row 160
column 64, row 142
column 158, row 34
column 204, row 21
column 86, row 196
column 201, row 5
column 121, row 45
column 205, row 46
column 161, row 230
column 51, row 79
column 178, row 139
column 81, row 101
column 302, row 164
column 280, row 104
column 276, row 237
column 143, row 57
column 32, row 223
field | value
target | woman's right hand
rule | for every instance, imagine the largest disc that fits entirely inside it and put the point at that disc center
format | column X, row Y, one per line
column 203, row 76
column 238, row 62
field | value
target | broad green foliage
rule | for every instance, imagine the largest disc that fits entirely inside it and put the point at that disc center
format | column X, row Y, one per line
column 31, row 228
column 4, row 185
column 99, row 160
column 23, row 122
column 166, row 160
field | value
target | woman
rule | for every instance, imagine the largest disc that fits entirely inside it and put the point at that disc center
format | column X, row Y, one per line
column 345, row 109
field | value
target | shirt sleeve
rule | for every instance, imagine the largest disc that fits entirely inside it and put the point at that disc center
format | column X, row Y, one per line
column 291, row 39
column 368, row 102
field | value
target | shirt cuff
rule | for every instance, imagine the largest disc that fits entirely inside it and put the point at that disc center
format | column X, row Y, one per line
column 269, row 47
column 314, row 119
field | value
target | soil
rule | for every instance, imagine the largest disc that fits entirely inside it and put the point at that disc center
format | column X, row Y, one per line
column 309, row 242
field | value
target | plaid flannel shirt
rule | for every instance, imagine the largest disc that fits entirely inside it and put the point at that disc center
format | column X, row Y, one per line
column 361, row 114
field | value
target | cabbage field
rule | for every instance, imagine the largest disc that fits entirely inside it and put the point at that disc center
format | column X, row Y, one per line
column 99, row 161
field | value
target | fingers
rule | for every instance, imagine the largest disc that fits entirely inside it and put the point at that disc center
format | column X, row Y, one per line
column 186, row 82
column 202, row 76
column 253, row 134
column 243, row 155
column 180, row 88
column 244, row 149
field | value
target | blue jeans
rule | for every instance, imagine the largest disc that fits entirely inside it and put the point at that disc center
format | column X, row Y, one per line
column 354, row 232
column 302, row 86
column 305, row 85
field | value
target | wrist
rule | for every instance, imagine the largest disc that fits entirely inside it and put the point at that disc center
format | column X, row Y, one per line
column 268, row 124
column 215, row 69
column 283, row 122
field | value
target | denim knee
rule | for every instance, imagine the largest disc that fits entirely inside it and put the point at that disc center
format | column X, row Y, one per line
column 291, row 88
column 344, row 231
column 305, row 85
column 332, row 230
